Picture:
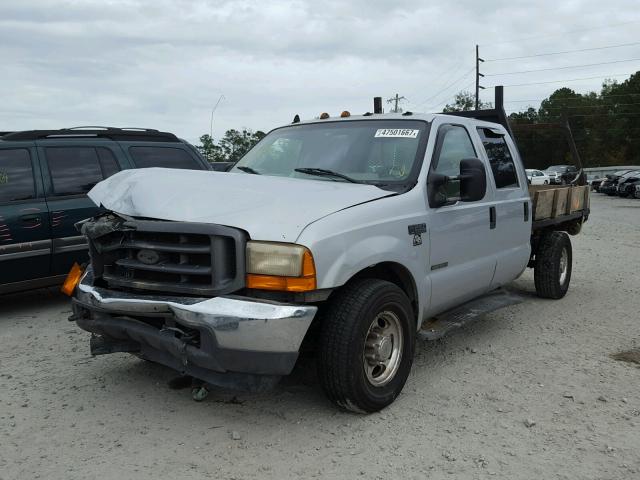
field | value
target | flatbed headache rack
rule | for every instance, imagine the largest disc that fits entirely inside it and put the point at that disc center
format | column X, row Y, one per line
column 112, row 133
column 555, row 207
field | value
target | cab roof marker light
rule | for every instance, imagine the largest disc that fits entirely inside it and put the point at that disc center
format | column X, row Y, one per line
column 324, row 116
column 345, row 114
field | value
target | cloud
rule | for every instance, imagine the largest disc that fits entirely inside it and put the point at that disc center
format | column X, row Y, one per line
column 163, row 64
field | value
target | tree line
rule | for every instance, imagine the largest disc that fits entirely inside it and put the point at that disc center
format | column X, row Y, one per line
column 605, row 125
column 231, row 147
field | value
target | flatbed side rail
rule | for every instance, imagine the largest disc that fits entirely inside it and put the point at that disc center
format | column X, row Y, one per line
column 559, row 205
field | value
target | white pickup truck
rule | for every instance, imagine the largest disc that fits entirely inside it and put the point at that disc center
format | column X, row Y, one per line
column 344, row 234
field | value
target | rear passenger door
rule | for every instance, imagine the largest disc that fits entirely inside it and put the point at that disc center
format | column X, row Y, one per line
column 25, row 245
column 513, row 206
column 70, row 171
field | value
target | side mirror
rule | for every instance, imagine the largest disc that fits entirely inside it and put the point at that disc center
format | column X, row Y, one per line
column 473, row 180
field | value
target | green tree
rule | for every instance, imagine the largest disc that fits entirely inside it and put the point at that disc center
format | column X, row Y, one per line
column 231, row 147
column 463, row 102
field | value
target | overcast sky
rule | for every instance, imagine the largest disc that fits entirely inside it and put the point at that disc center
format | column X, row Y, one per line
column 164, row 63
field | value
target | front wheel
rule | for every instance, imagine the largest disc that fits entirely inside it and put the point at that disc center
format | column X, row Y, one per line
column 367, row 343
column 546, row 182
column 552, row 269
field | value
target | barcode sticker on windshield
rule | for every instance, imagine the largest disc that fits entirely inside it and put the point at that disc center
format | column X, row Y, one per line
column 396, row 133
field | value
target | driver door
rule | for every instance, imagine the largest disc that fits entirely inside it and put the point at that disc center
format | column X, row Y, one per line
column 462, row 250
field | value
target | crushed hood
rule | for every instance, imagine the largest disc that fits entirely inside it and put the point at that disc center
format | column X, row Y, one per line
column 267, row 207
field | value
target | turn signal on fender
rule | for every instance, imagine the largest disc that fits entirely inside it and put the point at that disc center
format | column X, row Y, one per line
column 72, row 280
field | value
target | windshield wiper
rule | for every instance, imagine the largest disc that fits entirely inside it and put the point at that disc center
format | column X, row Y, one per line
column 248, row 170
column 322, row 172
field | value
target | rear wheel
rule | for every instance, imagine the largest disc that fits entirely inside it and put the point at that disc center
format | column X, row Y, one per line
column 366, row 345
column 546, row 182
column 552, row 269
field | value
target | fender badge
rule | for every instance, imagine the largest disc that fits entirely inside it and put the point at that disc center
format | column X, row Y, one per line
column 417, row 230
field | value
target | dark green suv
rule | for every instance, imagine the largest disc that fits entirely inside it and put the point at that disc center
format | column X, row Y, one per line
column 44, row 178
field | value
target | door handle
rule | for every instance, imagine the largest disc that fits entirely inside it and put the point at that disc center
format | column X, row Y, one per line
column 32, row 218
column 492, row 217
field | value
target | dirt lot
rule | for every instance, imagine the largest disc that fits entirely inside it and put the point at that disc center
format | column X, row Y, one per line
column 528, row 392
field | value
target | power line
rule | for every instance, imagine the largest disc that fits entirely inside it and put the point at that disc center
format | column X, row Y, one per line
column 447, row 87
column 560, row 33
column 566, row 51
column 571, row 99
column 444, row 100
column 563, row 68
column 594, row 106
column 604, row 114
column 566, row 80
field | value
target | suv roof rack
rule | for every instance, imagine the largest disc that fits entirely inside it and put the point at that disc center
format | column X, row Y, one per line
column 113, row 133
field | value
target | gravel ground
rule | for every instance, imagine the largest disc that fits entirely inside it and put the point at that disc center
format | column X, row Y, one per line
column 529, row 391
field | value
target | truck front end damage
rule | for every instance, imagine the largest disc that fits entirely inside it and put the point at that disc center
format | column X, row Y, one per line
column 171, row 292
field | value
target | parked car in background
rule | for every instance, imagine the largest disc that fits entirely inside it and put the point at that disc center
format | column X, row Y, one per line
column 591, row 179
column 637, row 191
column 561, row 174
column 627, row 182
column 594, row 182
column 537, row 177
column 610, row 182
column 44, row 178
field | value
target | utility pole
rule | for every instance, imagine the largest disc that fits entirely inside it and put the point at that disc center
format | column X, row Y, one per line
column 212, row 112
column 478, row 75
column 395, row 100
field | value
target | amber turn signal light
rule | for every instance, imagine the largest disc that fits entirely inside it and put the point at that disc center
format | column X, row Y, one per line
column 304, row 283
column 72, row 280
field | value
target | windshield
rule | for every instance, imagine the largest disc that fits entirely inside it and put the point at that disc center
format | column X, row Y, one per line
column 377, row 152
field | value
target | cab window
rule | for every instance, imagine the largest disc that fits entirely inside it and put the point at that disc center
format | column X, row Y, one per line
column 16, row 175
column 500, row 158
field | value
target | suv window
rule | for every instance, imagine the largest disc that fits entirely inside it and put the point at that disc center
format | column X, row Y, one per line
column 500, row 158
column 75, row 170
column 16, row 175
column 455, row 146
column 167, row 157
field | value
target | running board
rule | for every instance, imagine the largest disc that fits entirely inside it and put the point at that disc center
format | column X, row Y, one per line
column 444, row 323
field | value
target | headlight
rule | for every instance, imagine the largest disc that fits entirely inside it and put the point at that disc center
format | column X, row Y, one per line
column 280, row 266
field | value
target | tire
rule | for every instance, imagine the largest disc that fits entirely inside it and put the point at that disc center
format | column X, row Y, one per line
column 549, row 265
column 546, row 182
column 351, row 320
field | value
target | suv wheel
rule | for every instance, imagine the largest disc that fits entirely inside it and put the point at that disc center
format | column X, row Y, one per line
column 366, row 345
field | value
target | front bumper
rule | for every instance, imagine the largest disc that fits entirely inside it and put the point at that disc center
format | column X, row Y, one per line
column 212, row 339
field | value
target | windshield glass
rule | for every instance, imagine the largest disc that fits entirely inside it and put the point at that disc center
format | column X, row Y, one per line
column 378, row 152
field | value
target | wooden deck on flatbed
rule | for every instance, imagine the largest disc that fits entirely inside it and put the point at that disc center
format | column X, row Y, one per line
column 559, row 204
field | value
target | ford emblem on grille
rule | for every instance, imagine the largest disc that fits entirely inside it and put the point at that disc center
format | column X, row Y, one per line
column 148, row 257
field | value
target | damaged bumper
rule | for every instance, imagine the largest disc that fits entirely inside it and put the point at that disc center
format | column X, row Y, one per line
column 227, row 341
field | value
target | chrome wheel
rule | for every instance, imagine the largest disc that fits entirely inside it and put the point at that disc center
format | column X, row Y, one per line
column 383, row 348
column 564, row 262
